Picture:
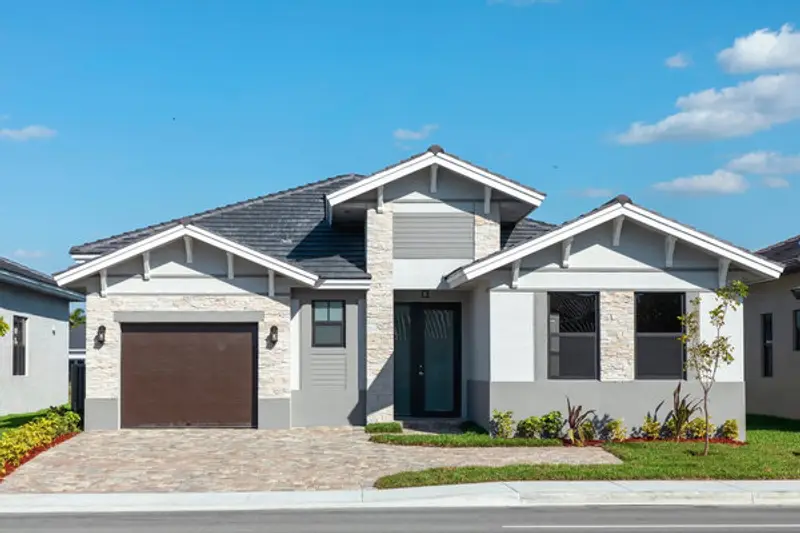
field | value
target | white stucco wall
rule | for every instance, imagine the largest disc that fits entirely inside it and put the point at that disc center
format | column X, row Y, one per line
column 46, row 381
column 511, row 336
column 776, row 395
column 733, row 329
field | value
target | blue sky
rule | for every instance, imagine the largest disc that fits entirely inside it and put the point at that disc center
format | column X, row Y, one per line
column 115, row 115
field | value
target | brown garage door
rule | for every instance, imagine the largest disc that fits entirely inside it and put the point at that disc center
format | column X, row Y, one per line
column 195, row 375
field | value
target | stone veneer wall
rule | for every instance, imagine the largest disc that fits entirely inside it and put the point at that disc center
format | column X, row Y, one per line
column 103, row 363
column 487, row 232
column 617, row 336
column 380, row 316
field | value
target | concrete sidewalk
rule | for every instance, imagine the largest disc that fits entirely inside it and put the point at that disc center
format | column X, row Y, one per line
column 537, row 493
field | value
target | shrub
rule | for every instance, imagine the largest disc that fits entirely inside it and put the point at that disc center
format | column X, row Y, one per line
column 384, row 427
column 588, row 430
column 577, row 419
column 651, row 428
column 615, row 430
column 530, row 428
column 502, row 424
column 696, row 429
column 16, row 443
column 682, row 410
column 729, row 429
column 552, row 423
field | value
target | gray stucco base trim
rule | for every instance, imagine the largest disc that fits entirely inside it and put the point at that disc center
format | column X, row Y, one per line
column 629, row 400
column 274, row 413
column 188, row 316
column 101, row 413
column 478, row 402
column 328, row 408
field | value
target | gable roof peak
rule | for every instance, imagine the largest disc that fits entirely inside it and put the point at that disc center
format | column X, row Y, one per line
column 435, row 149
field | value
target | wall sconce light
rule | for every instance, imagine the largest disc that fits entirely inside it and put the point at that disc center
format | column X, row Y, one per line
column 273, row 334
column 101, row 335
column 796, row 293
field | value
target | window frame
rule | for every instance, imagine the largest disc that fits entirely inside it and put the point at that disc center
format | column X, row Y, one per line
column 636, row 335
column 796, row 330
column 596, row 335
column 767, row 346
column 315, row 323
column 16, row 361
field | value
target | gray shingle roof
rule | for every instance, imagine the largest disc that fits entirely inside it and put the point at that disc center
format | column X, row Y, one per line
column 785, row 252
column 290, row 225
column 20, row 275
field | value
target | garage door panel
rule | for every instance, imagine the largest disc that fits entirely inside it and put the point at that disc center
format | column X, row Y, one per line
column 197, row 375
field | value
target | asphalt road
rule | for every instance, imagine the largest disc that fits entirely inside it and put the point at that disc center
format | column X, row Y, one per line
column 560, row 519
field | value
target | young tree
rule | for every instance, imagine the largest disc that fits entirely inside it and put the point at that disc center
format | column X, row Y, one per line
column 704, row 357
column 3, row 327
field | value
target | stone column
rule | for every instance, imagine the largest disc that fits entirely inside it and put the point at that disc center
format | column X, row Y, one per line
column 617, row 336
column 380, row 316
column 487, row 231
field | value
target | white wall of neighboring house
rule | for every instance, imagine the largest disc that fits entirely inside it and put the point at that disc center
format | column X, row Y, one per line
column 47, row 338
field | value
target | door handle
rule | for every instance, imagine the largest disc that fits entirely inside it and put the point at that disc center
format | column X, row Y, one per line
column 420, row 371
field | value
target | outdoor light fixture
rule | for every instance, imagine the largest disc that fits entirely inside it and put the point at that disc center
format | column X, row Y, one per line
column 796, row 293
column 101, row 335
column 273, row 334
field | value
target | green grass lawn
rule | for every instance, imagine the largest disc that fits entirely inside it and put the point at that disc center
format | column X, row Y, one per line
column 772, row 452
column 15, row 420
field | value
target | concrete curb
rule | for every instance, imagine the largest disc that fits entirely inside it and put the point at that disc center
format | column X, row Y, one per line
column 512, row 494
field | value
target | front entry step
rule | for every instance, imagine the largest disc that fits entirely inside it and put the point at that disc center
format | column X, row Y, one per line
column 433, row 425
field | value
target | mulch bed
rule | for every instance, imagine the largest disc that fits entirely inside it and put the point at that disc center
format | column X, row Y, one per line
column 729, row 442
column 33, row 453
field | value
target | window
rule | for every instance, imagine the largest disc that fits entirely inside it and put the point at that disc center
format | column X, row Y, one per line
column 19, row 339
column 796, row 321
column 659, row 352
column 328, row 323
column 572, row 352
column 766, row 345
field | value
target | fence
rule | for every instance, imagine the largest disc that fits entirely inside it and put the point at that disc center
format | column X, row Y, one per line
column 77, row 385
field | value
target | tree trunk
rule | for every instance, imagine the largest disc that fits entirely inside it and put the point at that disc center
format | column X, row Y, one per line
column 705, row 411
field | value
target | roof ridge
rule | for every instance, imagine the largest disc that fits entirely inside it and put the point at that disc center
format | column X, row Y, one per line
column 221, row 209
column 777, row 244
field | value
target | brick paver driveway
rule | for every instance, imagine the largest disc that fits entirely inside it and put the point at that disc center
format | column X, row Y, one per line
column 247, row 460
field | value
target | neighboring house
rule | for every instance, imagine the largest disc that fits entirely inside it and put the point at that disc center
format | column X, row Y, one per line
column 33, row 354
column 422, row 290
column 772, row 337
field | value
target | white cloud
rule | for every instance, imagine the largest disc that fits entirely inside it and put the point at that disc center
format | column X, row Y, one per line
column 718, row 182
column 743, row 109
column 763, row 50
column 679, row 60
column 766, row 163
column 520, row 3
column 591, row 192
column 774, row 182
column 27, row 133
column 29, row 254
column 415, row 135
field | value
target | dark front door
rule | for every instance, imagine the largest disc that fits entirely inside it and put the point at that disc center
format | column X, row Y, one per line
column 427, row 359
column 195, row 375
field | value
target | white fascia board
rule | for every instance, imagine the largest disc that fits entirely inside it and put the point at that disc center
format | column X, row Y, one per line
column 703, row 241
column 344, row 284
column 443, row 160
column 520, row 252
column 381, row 178
column 635, row 213
column 177, row 232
